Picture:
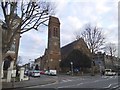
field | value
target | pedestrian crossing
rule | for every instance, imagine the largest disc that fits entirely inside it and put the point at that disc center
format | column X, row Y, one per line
column 109, row 77
column 74, row 79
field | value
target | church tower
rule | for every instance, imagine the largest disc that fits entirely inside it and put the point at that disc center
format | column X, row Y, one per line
column 54, row 53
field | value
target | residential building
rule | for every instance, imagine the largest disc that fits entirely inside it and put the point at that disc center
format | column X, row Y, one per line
column 103, row 61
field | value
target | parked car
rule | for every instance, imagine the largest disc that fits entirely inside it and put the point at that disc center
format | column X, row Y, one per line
column 110, row 72
column 42, row 72
column 52, row 72
column 35, row 73
column 46, row 72
column 69, row 72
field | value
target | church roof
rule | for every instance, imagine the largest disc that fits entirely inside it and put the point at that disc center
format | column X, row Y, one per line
column 65, row 50
column 69, row 47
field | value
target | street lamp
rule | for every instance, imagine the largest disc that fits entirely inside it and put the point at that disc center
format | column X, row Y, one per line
column 71, row 67
column 30, row 64
column 59, row 60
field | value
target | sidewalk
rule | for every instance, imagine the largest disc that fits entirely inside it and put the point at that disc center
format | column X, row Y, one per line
column 32, row 82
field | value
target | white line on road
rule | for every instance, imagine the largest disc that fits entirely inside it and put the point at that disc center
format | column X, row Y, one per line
column 80, row 84
column 116, row 86
column 70, row 85
column 69, row 80
column 49, row 84
column 88, row 82
column 108, row 86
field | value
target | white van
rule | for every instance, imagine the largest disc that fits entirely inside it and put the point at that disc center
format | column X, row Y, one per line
column 109, row 72
column 52, row 72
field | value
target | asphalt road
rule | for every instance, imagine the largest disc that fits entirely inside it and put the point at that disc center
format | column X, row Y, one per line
column 97, row 82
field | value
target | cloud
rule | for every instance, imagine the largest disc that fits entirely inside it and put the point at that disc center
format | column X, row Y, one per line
column 74, row 22
column 32, row 44
column 101, row 7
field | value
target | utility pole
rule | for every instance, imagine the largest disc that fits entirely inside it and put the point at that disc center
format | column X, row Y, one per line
column 71, row 67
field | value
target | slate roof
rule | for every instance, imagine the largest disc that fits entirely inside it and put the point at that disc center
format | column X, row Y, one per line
column 65, row 50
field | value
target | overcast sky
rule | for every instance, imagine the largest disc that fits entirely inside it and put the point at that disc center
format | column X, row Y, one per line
column 73, row 15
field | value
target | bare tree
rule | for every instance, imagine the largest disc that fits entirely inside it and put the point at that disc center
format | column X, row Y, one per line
column 20, row 17
column 93, row 37
column 111, row 49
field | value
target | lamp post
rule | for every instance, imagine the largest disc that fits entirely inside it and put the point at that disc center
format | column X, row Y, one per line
column 30, row 64
column 71, row 67
column 99, row 63
column 93, row 67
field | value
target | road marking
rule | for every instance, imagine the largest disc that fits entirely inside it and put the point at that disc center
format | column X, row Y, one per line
column 108, row 86
column 116, row 86
column 69, row 80
column 80, row 84
column 49, row 84
column 99, row 80
column 111, row 77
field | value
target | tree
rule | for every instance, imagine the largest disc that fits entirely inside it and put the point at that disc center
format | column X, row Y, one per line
column 18, row 62
column 93, row 37
column 111, row 49
column 20, row 17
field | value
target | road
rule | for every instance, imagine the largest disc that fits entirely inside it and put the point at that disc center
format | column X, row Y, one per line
column 97, row 82
column 82, row 82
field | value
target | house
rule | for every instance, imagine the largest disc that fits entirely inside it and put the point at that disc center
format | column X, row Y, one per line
column 13, row 52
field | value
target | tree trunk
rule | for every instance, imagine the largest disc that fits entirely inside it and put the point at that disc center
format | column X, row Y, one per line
column 3, row 56
column 92, row 65
column 112, row 62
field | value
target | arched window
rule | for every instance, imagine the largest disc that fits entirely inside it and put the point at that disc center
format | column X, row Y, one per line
column 7, row 62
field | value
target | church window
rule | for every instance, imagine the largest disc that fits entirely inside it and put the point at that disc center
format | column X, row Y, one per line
column 55, row 32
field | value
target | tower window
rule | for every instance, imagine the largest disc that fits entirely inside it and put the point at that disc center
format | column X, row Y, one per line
column 55, row 32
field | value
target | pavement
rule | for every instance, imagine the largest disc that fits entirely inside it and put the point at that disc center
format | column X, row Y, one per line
column 27, row 83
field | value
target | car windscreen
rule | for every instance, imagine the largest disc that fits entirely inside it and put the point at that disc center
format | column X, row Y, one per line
column 107, row 70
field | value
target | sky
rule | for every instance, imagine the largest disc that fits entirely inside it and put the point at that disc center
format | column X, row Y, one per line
column 73, row 15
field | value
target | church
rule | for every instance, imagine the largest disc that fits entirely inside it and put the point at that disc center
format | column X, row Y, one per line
column 54, row 54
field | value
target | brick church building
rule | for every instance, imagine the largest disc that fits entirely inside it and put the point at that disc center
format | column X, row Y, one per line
column 54, row 54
